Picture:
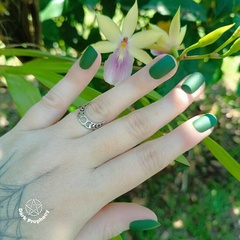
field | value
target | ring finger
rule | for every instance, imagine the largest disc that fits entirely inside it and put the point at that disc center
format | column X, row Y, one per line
column 109, row 105
column 125, row 133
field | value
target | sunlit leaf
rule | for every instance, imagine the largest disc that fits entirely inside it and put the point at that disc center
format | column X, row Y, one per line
column 154, row 95
column 116, row 238
column 53, row 9
column 183, row 160
column 24, row 94
column 223, row 157
column 32, row 53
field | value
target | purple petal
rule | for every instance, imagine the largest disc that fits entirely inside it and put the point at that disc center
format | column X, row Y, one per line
column 155, row 52
column 116, row 68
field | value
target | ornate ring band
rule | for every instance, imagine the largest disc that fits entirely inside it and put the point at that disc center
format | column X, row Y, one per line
column 84, row 120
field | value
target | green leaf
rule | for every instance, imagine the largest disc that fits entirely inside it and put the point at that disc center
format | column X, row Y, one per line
column 191, row 11
column 50, row 32
column 116, row 238
column 53, row 9
column 45, row 65
column 49, row 79
column 223, row 157
column 48, row 65
column 182, row 160
column 154, row 95
column 144, row 101
column 32, row 53
column 24, row 94
column 224, row 7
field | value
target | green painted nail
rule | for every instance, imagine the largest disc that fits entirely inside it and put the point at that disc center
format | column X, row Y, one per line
column 205, row 122
column 193, row 83
column 144, row 224
column 162, row 67
column 88, row 57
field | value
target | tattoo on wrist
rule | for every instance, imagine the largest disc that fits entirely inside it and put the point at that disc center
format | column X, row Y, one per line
column 10, row 203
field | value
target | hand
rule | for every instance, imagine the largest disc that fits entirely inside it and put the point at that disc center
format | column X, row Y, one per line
column 75, row 172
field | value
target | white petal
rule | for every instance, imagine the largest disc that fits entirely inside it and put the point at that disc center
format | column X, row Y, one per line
column 140, row 55
column 155, row 27
column 145, row 38
column 130, row 22
column 108, row 28
column 163, row 41
column 181, row 35
column 181, row 47
column 104, row 46
column 175, row 26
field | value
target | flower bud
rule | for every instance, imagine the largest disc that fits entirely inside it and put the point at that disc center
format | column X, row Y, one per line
column 213, row 36
column 233, row 49
column 236, row 34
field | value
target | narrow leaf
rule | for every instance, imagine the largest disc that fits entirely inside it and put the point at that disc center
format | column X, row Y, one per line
column 52, row 65
column 116, row 238
column 144, row 101
column 24, row 94
column 183, row 160
column 32, row 53
column 154, row 95
column 223, row 157
column 49, row 79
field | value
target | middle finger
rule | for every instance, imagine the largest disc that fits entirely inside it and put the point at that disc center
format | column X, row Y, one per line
column 126, row 132
column 109, row 105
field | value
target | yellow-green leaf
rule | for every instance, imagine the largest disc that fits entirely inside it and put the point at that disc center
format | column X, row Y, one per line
column 24, row 94
column 223, row 157
column 154, row 95
column 116, row 238
column 183, row 160
column 32, row 53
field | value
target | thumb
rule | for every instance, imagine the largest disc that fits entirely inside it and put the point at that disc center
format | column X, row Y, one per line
column 115, row 218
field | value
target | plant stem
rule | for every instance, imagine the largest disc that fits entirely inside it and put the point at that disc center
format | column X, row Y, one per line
column 183, row 54
column 232, row 38
column 210, row 55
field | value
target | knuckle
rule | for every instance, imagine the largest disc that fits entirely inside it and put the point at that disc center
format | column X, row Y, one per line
column 149, row 159
column 99, row 110
column 138, row 124
column 53, row 99
column 178, row 100
column 185, row 140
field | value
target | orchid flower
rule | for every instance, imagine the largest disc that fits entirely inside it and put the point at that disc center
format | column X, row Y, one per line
column 124, row 44
column 168, row 42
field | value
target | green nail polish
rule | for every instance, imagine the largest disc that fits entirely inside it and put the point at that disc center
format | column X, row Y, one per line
column 162, row 67
column 88, row 57
column 144, row 224
column 205, row 122
column 193, row 83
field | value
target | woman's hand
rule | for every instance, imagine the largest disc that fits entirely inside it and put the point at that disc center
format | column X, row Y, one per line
column 74, row 172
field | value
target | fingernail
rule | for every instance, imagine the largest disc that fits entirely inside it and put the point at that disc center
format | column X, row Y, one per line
column 205, row 122
column 88, row 57
column 193, row 83
column 144, row 224
column 162, row 67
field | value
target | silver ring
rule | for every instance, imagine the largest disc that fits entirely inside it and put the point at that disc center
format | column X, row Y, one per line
column 84, row 120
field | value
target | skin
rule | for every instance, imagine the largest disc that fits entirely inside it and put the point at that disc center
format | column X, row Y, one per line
column 75, row 172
